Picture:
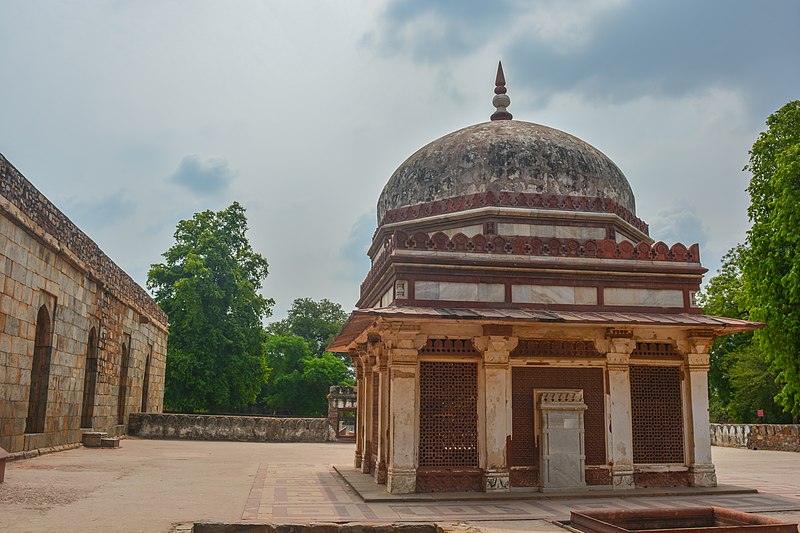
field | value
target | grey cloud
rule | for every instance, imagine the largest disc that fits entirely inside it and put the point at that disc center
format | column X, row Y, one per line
column 354, row 251
column 204, row 177
column 437, row 31
column 619, row 53
column 671, row 47
column 678, row 225
column 99, row 213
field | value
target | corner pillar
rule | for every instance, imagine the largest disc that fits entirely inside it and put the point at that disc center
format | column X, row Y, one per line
column 403, row 370
column 380, row 440
column 621, row 345
column 701, row 468
column 367, row 418
column 355, row 356
column 496, row 351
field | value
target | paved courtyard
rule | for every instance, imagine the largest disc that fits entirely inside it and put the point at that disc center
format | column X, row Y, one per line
column 149, row 485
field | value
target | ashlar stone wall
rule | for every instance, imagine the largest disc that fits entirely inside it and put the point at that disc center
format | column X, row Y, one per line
column 234, row 428
column 71, row 321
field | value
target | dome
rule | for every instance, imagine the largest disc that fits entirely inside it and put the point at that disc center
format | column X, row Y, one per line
column 505, row 155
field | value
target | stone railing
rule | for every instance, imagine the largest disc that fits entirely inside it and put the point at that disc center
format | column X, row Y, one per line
column 783, row 437
column 233, row 428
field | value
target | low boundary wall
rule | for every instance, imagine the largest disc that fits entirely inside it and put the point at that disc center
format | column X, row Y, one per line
column 233, row 428
column 783, row 437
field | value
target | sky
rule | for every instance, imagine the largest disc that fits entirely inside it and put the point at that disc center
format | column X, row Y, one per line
column 133, row 115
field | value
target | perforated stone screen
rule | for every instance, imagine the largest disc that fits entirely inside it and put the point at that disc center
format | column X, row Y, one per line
column 656, row 414
column 524, row 380
column 448, row 419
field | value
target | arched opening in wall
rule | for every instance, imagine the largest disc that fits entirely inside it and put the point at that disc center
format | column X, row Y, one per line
column 146, row 382
column 40, row 372
column 123, row 384
column 89, row 381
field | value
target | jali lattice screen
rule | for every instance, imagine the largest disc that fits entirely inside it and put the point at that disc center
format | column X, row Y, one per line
column 657, row 414
column 448, row 418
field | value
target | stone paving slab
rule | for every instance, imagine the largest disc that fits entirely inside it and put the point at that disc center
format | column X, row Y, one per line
column 150, row 485
column 287, row 493
column 369, row 491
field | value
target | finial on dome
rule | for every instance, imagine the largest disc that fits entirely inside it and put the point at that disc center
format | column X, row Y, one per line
column 501, row 100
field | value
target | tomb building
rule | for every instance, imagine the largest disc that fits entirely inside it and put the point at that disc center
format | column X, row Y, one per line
column 81, row 344
column 519, row 327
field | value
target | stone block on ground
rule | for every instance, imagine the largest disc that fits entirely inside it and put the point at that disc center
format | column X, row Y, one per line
column 91, row 439
column 109, row 442
column 4, row 455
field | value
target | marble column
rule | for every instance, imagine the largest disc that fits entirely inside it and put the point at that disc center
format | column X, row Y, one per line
column 381, row 438
column 619, row 390
column 367, row 418
column 359, row 408
column 701, row 467
column 401, row 474
column 497, row 409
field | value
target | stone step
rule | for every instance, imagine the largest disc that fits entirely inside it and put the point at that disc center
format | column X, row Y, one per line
column 109, row 442
column 91, row 439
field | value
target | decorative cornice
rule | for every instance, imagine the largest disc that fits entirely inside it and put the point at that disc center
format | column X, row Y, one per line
column 513, row 199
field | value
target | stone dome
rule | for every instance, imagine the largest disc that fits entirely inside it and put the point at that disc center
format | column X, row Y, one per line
column 505, row 155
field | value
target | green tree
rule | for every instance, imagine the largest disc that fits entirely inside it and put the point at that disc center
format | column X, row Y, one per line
column 771, row 267
column 300, row 381
column 753, row 387
column 724, row 296
column 208, row 286
column 316, row 322
column 740, row 378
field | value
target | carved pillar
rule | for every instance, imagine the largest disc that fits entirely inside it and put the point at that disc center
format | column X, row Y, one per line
column 355, row 357
column 701, row 467
column 382, row 375
column 496, row 350
column 401, row 475
column 367, row 418
column 619, row 389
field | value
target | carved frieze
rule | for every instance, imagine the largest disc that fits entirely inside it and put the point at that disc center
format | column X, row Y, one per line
column 448, row 347
column 554, row 348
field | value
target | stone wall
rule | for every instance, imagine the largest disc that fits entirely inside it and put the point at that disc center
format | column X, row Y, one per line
column 50, row 268
column 783, row 437
column 234, row 428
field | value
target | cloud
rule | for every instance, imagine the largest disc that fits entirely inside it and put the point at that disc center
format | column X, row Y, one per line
column 99, row 213
column 678, row 225
column 437, row 31
column 354, row 252
column 608, row 50
column 668, row 48
column 204, row 177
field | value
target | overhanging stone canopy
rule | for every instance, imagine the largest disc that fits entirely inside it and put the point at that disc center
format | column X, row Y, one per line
column 508, row 265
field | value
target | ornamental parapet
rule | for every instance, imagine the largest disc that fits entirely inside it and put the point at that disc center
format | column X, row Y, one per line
column 528, row 246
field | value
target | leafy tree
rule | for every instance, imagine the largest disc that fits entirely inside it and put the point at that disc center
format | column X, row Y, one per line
column 724, row 296
column 316, row 322
column 208, row 287
column 771, row 267
column 740, row 380
column 300, row 381
column 753, row 387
